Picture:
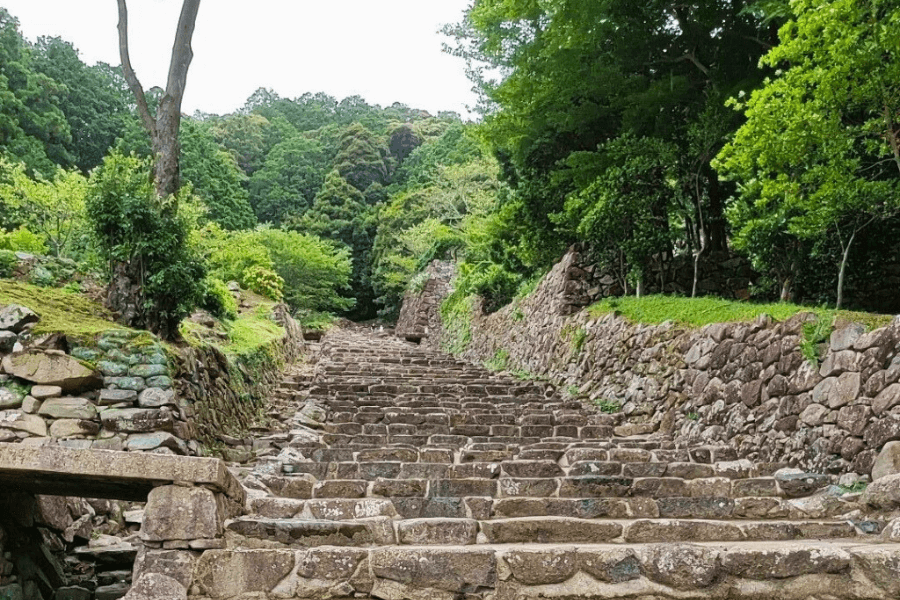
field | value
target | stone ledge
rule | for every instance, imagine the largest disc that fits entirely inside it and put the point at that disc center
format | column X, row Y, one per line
column 53, row 470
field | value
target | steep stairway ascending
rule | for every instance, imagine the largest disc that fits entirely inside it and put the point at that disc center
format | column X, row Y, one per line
column 434, row 478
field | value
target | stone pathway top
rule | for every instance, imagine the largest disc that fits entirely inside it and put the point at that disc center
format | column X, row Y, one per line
column 108, row 474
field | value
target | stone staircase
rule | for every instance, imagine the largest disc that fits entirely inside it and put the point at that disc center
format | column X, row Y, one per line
column 432, row 478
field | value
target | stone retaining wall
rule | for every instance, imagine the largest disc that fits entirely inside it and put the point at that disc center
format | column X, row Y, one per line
column 746, row 384
column 125, row 390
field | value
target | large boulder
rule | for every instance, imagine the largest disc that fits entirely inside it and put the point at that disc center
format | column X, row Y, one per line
column 52, row 368
column 888, row 461
column 154, row 586
column 15, row 317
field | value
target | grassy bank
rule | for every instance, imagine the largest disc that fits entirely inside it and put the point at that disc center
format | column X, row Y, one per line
column 697, row 312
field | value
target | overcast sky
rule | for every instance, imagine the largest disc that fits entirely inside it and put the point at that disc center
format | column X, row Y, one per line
column 383, row 50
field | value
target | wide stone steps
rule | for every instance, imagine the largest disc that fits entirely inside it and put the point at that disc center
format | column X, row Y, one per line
column 706, row 507
column 803, row 570
column 371, row 465
column 430, row 478
column 382, row 531
column 300, row 487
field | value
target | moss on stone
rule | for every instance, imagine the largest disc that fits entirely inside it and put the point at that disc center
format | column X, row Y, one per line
column 60, row 311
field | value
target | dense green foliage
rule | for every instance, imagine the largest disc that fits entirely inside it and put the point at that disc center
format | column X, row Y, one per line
column 651, row 132
column 818, row 159
column 697, row 312
column 145, row 237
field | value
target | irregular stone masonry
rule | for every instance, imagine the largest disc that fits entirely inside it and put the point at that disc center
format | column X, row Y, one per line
column 746, row 384
column 405, row 474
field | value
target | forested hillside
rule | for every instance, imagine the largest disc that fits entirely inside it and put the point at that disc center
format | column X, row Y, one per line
column 657, row 134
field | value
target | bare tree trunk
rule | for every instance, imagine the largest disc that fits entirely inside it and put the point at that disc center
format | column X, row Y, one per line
column 164, row 129
column 126, row 290
column 842, row 270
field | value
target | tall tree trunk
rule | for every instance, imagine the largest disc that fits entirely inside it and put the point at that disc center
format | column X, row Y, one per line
column 163, row 130
column 715, row 217
column 843, row 269
column 126, row 290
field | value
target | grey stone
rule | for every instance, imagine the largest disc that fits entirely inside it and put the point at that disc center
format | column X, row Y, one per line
column 148, row 370
column 177, row 564
column 15, row 317
column 160, row 381
column 31, row 405
column 111, row 396
column 112, row 369
column 44, row 368
column 845, row 390
column 68, row 408
column 814, row 415
column 68, row 428
column 854, row 418
column 796, row 485
column 10, row 398
column 156, row 398
column 883, row 493
column 888, row 461
column 8, row 341
column 843, row 339
column 18, row 420
column 157, row 439
column 126, row 383
column 155, row 586
column 681, row 566
column 888, row 398
column 137, row 420
column 43, row 392
column 175, row 512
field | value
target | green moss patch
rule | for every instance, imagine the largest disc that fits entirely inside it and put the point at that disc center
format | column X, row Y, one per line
column 60, row 311
column 697, row 312
column 252, row 330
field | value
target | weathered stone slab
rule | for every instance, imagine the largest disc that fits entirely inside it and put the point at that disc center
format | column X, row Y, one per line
column 888, row 461
column 15, row 317
column 452, row 570
column 18, row 420
column 176, row 512
column 155, row 586
column 68, row 408
column 108, row 474
column 234, row 573
column 44, row 368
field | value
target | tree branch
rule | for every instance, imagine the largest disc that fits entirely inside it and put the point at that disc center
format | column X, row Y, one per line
column 182, row 53
column 130, row 76
column 892, row 135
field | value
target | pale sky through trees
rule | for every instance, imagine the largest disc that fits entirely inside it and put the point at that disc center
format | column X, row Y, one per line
column 383, row 50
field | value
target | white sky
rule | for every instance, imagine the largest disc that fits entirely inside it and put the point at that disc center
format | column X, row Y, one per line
column 383, row 50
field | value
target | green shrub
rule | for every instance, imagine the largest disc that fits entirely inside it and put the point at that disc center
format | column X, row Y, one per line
column 456, row 315
column 608, row 406
column 23, row 240
column 498, row 362
column 219, row 300
column 8, row 262
column 144, row 238
column 814, row 333
column 263, row 281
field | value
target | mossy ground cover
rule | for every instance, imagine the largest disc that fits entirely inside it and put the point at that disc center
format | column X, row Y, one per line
column 697, row 312
column 60, row 310
column 252, row 330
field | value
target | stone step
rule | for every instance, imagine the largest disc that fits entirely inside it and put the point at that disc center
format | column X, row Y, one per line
column 482, row 508
column 381, row 531
column 802, row 570
column 405, row 463
column 306, row 486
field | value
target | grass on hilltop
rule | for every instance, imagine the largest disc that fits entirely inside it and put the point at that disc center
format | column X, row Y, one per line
column 60, row 310
column 697, row 312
